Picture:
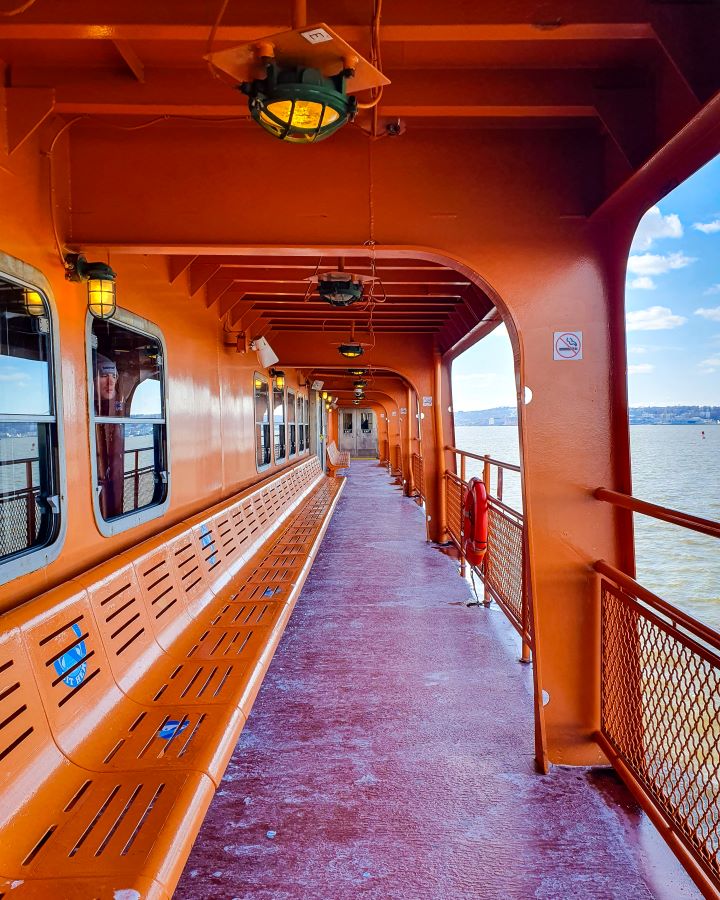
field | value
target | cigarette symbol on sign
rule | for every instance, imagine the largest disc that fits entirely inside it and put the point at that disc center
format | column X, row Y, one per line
column 568, row 345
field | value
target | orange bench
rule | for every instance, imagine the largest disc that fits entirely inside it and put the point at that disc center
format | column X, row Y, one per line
column 336, row 459
column 123, row 692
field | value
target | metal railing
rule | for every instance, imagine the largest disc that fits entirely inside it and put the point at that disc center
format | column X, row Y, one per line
column 660, row 704
column 20, row 514
column 418, row 474
column 503, row 570
column 138, row 481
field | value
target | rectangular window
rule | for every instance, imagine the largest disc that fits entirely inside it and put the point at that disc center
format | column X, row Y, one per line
column 301, row 422
column 262, row 423
column 279, row 423
column 291, row 422
column 347, row 422
column 29, row 459
column 128, row 418
column 366, row 422
column 307, row 423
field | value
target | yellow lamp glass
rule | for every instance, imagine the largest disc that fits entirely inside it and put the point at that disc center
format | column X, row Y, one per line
column 34, row 303
column 280, row 382
column 305, row 114
column 324, row 395
column 101, row 297
column 258, row 383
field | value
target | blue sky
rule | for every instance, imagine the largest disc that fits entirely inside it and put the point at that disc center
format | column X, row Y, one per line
column 672, row 304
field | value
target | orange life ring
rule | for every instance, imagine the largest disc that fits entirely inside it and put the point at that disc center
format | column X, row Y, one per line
column 475, row 522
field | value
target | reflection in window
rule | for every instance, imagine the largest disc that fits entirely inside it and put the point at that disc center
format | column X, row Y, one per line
column 262, row 423
column 366, row 422
column 129, row 419
column 347, row 423
column 29, row 494
column 291, row 422
column 279, row 423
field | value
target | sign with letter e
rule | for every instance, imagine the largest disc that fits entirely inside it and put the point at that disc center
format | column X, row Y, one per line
column 567, row 345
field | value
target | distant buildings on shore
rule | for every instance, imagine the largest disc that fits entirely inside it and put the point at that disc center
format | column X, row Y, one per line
column 639, row 415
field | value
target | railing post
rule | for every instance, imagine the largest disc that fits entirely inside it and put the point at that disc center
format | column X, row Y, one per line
column 463, row 561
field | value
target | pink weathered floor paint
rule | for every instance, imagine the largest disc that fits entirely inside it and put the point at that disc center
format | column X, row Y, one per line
column 389, row 753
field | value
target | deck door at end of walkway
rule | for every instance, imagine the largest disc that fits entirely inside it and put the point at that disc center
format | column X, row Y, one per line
column 358, row 433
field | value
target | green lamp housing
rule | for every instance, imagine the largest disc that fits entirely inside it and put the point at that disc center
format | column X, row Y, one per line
column 350, row 351
column 298, row 104
column 340, row 293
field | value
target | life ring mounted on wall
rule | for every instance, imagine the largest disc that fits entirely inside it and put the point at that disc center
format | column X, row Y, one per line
column 475, row 522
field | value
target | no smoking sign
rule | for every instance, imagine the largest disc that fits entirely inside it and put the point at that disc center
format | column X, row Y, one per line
column 567, row 345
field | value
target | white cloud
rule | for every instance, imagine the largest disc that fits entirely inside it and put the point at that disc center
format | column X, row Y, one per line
column 640, row 350
column 640, row 369
column 712, row 314
column 655, row 318
column 657, row 264
column 708, row 366
column 15, row 378
column 708, row 227
column 713, row 289
column 655, row 225
column 643, row 283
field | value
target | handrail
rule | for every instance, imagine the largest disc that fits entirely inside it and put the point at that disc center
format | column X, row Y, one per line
column 676, row 615
column 674, row 516
column 511, row 467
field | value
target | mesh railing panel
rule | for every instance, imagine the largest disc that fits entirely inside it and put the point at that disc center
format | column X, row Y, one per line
column 418, row 471
column 454, row 497
column 18, row 521
column 504, row 566
column 138, row 488
column 660, row 711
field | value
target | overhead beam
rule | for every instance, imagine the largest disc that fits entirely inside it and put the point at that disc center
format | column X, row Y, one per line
column 53, row 29
column 131, row 59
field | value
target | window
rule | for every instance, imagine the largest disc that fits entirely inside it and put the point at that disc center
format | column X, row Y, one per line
column 301, row 422
column 291, row 422
column 307, row 423
column 128, row 424
column 262, row 423
column 279, row 423
column 29, row 456
column 347, row 418
column 366, row 422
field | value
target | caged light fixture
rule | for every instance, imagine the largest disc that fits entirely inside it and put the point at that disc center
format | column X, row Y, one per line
column 279, row 378
column 100, row 280
column 33, row 303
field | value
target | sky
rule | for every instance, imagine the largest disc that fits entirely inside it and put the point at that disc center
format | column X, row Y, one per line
column 672, row 304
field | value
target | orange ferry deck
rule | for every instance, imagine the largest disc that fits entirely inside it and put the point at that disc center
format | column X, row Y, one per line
column 390, row 754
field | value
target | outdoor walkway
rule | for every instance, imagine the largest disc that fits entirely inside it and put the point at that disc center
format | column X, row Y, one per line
column 389, row 753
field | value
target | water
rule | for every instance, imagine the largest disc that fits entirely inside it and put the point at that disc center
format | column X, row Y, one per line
column 672, row 466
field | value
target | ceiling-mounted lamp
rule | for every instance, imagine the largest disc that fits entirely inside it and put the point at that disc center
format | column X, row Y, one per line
column 340, row 289
column 33, row 303
column 360, row 383
column 324, row 395
column 356, row 401
column 100, row 280
column 299, row 104
column 350, row 350
column 296, row 81
column 279, row 378
column 358, row 372
column 259, row 382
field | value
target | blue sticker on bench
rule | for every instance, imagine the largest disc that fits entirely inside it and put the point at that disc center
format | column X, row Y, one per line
column 205, row 540
column 172, row 728
column 71, row 658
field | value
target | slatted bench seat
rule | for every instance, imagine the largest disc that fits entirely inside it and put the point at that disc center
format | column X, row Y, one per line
column 336, row 459
column 123, row 692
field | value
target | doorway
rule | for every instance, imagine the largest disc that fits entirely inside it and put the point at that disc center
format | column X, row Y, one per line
column 358, row 433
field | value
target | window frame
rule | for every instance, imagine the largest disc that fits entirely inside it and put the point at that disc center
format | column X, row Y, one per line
column 258, row 376
column 33, row 558
column 278, row 460
column 291, row 435
column 109, row 528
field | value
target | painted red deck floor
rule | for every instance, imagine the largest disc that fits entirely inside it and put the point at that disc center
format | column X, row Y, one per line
column 389, row 753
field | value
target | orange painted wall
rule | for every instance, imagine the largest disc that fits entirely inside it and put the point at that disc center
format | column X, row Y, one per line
column 210, row 409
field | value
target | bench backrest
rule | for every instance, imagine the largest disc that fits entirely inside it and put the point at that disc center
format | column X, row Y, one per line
column 66, row 655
